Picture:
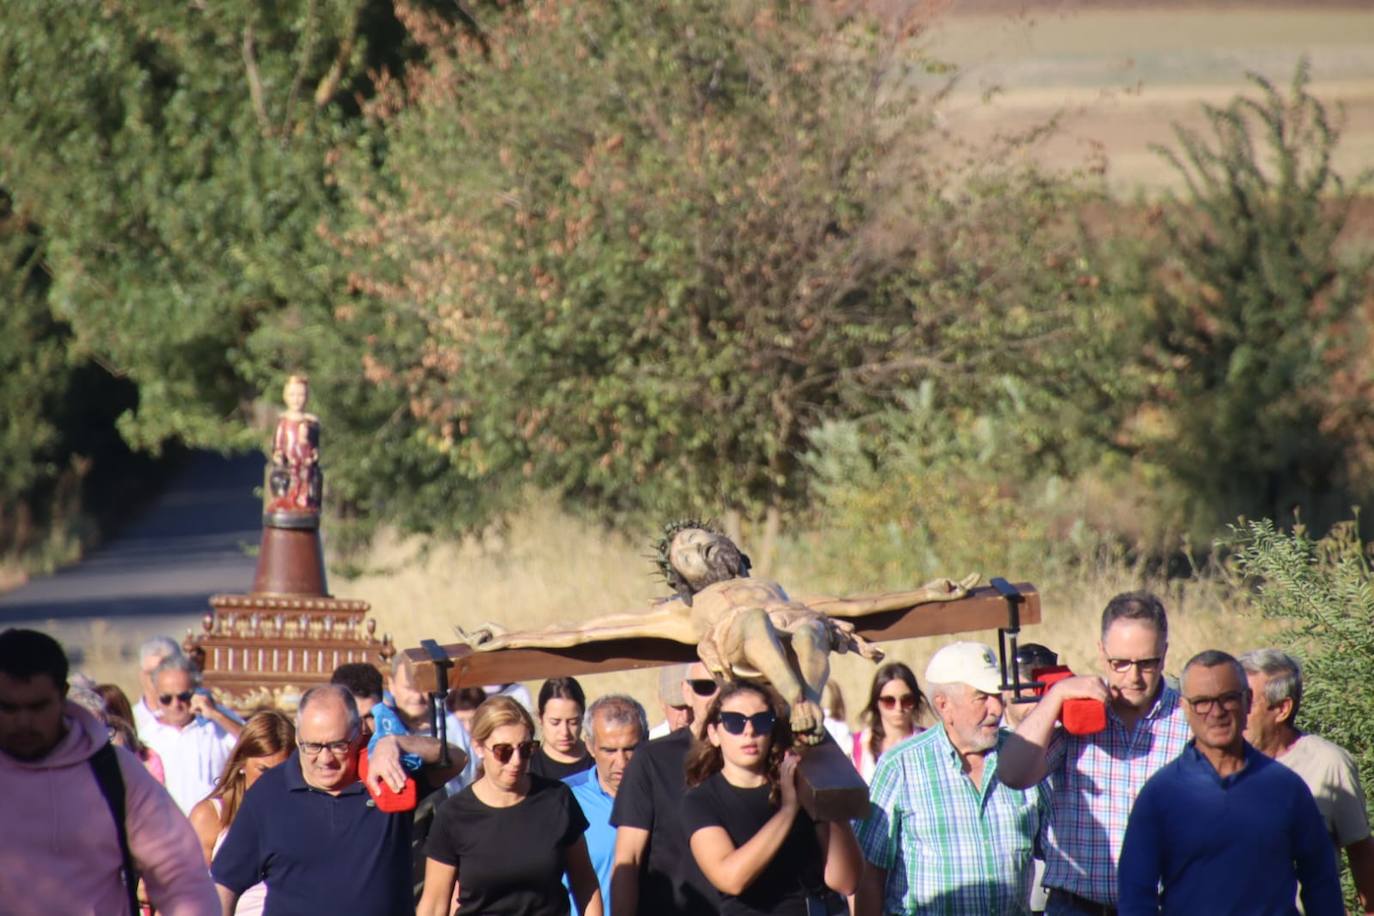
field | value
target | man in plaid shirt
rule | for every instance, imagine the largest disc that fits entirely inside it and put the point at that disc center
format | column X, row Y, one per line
column 1094, row 779
column 943, row 834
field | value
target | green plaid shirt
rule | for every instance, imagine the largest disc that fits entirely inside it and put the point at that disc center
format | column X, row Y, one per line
column 950, row 849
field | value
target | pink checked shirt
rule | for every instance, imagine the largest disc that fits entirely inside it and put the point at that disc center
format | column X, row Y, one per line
column 1094, row 780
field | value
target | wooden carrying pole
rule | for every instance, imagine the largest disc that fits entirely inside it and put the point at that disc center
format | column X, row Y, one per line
column 982, row 609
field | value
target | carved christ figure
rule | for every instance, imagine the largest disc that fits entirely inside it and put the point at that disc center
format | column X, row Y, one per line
column 296, row 479
column 742, row 627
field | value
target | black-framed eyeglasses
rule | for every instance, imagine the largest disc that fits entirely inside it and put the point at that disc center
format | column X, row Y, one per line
column 1231, row 700
column 703, row 686
column 166, row 698
column 504, row 752
column 734, row 722
column 316, row 748
column 1145, row 665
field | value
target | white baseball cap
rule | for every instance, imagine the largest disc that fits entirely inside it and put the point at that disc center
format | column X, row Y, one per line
column 969, row 663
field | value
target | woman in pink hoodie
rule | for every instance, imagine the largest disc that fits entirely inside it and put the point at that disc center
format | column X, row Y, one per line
column 59, row 851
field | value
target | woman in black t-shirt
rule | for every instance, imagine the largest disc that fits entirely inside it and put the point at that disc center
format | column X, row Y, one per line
column 746, row 828
column 561, row 752
column 508, row 839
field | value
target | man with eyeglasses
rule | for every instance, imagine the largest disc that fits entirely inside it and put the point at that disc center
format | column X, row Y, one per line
column 1225, row 830
column 943, row 834
column 654, row 871
column 310, row 830
column 193, row 745
column 1094, row 779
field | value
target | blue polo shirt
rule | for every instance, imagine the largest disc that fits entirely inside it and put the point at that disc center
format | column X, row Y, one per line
column 1198, row 843
column 596, row 804
column 318, row 853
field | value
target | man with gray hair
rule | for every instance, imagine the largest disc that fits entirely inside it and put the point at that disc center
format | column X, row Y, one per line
column 147, row 713
column 1275, row 680
column 192, row 744
column 310, row 831
column 615, row 726
column 944, row 833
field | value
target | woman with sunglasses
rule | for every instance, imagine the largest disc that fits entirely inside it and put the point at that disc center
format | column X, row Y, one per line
column 509, row 837
column 895, row 703
column 266, row 741
column 747, row 830
column 561, row 752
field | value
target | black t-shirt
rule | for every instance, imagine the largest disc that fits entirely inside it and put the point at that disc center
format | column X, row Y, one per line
column 509, row 860
column 650, row 798
column 544, row 765
column 797, row 870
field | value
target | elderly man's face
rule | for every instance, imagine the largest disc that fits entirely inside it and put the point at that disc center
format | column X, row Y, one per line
column 1132, row 655
column 698, row 690
column 1217, row 701
column 329, row 751
column 411, row 702
column 1265, row 720
column 174, row 691
column 971, row 717
column 612, row 744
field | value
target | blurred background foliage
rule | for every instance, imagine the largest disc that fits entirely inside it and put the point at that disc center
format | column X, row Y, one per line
column 649, row 259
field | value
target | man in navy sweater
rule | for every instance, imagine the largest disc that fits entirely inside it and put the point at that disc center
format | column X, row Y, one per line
column 1223, row 829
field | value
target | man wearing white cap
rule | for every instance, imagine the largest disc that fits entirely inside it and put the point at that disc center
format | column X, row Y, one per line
column 943, row 834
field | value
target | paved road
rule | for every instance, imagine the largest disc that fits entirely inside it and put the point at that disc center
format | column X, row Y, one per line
column 156, row 574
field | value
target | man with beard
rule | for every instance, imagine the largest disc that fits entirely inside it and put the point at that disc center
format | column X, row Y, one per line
column 943, row 833
column 738, row 624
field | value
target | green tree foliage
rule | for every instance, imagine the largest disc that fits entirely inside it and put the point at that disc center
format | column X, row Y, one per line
column 177, row 158
column 1322, row 592
column 1254, row 334
column 638, row 251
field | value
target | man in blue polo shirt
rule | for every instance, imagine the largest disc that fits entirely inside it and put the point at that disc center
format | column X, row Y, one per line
column 616, row 725
column 309, row 828
column 1223, row 829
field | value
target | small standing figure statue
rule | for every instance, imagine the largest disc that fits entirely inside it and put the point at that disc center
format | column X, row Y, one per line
column 296, row 481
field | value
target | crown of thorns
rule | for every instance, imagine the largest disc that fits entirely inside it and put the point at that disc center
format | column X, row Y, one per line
column 663, row 549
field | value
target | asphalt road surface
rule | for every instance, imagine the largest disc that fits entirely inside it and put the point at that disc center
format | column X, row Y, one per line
column 158, row 571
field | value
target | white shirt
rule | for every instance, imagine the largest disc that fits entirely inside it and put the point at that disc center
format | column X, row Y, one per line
column 192, row 757
column 145, row 719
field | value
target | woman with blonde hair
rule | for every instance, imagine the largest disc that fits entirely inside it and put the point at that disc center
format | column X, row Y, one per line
column 744, row 822
column 266, row 741
column 508, row 838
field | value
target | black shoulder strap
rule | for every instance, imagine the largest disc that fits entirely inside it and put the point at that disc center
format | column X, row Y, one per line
column 111, row 782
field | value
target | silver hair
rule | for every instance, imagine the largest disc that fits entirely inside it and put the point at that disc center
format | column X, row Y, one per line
column 1284, row 674
column 1213, row 658
column 617, row 709
column 159, row 647
column 177, row 662
column 948, row 691
column 88, row 700
column 340, row 693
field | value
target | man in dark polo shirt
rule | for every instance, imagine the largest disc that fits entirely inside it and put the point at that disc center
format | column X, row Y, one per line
column 309, row 828
column 654, row 870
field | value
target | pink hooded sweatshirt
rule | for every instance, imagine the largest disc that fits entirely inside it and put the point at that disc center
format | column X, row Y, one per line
column 58, row 849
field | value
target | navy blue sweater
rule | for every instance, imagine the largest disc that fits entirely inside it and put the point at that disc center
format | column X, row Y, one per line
column 1200, row 844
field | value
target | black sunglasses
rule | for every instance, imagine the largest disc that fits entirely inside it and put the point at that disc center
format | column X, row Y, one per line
column 703, row 686
column 167, row 698
column 504, row 752
column 734, row 722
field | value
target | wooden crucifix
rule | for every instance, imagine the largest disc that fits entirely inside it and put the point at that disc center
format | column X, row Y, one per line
column 738, row 627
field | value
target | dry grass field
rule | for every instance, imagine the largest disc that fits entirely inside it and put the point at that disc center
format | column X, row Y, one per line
column 1117, row 79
